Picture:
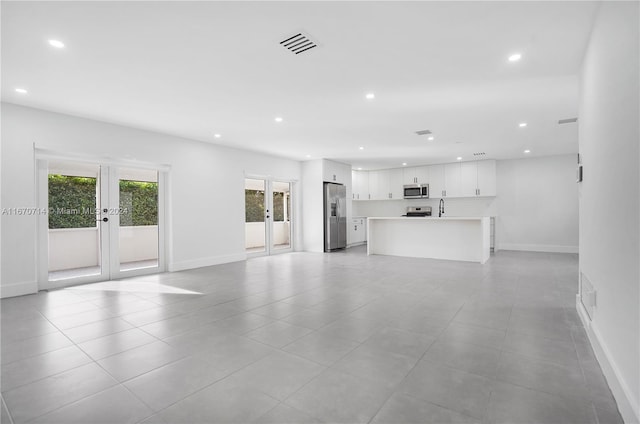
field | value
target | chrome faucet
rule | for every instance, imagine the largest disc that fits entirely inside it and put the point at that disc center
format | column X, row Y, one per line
column 441, row 208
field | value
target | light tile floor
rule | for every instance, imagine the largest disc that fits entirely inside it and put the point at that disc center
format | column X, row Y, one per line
column 310, row 338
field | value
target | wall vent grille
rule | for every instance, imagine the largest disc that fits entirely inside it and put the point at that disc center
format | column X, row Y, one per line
column 423, row 132
column 479, row 154
column 298, row 43
column 567, row 121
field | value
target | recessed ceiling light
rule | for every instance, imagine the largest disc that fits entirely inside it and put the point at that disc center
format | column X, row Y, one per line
column 361, row 148
column 56, row 43
column 308, row 156
column 359, row 169
column 370, row 96
column 515, row 57
column 278, row 119
column 522, row 124
column 527, row 151
column 217, row 135
column 21, row 91
column 459, row 158
column 404, row 163
column 431, row 138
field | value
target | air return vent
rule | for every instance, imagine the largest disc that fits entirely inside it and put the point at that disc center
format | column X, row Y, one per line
column 479, row 154
column 298, row 43
column 567, row 121
column 423, row 132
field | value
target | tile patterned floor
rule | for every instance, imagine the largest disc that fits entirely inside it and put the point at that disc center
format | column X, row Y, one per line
column 311, row 338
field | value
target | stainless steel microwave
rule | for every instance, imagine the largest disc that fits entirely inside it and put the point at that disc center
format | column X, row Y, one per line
column 416, row 191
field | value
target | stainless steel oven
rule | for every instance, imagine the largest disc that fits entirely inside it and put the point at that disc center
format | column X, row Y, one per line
column 416, row 191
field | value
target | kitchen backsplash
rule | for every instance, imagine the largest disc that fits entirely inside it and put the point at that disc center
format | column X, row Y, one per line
column 482, row 206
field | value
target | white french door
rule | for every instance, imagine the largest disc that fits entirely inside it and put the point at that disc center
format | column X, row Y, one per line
column 268, row 217
column 103, row 222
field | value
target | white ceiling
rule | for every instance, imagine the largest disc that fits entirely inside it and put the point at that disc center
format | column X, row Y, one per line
column 197, row 68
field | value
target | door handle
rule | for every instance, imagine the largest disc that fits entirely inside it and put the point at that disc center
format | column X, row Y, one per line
column 105, row 219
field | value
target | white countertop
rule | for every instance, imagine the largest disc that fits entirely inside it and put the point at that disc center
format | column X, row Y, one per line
column 422, row 218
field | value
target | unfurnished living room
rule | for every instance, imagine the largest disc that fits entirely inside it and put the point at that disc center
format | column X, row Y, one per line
column 320, row 212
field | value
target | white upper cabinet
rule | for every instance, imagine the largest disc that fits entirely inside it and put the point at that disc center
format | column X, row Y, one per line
column 360, row 184
column 469, row 178
column 436, row 181
column 379, row 185
column 415, row 175
column 386, row 184
column 396, row 191
column 452, row 180
column 336, row 172
column 487, row 178
column 460, row 179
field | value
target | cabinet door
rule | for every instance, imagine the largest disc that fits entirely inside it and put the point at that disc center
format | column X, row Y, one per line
column 409, row 176
column 487, row 178
column 379, row 185
column 354, row 185
column 415, row 175
column 469, row 179
column 436, row 181
column 360, row 181
column 422, row 174
column 396, row 190
column 453, row 179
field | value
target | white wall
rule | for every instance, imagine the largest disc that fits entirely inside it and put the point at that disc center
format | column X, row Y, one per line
column 312, row 212
column 203, row 230
column 608, row 197
column 537, row 204
column 536, row 207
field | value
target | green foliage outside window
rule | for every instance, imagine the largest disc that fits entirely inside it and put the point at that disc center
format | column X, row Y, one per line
column 254, row 205
column 72, row 202
column 138, row 203
column 278, row 206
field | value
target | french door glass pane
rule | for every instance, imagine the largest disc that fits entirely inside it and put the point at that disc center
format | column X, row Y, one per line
column 73, row 191
column 281, row 197
column 255, row 229
column 138, row 213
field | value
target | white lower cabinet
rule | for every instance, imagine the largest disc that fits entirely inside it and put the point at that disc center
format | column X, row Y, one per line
column 358, row 230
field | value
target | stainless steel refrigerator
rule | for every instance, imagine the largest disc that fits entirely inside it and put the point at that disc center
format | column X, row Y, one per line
column 335, row 217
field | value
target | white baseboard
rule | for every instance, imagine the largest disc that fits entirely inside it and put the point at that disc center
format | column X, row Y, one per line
column 549, row 248
column 627, row 405
column 18, row 289
column 209, row 261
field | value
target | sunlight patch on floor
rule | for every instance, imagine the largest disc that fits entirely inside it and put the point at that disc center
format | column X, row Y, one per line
column 133, row 286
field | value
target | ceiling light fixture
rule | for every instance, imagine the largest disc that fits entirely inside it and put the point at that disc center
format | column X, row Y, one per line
column 308, row 156
column 404, row 163
column 370, row 96
column 217, row 135
column 527, row 151
column 431, row 138
column 21, row 91
column 515, row 57
column 459, row 158
column 278, row 119
column 522, row 124
column 56, row 43
column 359, row 169
column 361, row 148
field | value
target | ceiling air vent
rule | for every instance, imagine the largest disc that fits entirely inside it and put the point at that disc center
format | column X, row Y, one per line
column 567, row 121
column 298, row 43
column 423, row 132
column 479, row 154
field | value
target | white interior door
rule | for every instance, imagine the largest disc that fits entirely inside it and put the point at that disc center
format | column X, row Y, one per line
column 103, row 222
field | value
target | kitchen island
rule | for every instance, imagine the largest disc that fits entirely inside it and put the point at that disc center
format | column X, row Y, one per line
column 454, row 238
